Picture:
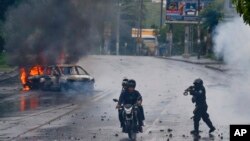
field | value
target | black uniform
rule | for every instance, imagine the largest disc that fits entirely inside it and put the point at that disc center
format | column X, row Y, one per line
column 200, row 111
column 132, row 98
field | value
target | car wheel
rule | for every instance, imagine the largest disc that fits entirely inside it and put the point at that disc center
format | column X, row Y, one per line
column 63, row 87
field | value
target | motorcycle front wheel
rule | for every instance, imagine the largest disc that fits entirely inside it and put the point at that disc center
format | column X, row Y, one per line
column 132, row 135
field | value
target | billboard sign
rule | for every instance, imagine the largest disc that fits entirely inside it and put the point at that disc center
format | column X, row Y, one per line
column 184, row 10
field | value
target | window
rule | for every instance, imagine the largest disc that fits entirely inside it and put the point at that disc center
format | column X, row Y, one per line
column 81, row 71
column 69, row 70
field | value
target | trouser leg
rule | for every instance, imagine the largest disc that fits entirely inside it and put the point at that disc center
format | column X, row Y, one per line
column 197, row 118
column 196, row 122
column 140, row 116
column 120, row 117
column 206, row 119
column 142, row 112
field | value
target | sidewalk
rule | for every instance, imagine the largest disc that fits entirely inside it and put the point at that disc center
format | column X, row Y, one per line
column 208, row 63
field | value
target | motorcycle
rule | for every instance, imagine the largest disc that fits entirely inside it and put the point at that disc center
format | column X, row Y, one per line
column 129, row 114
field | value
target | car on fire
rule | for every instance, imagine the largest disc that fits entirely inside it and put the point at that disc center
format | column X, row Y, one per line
column 61, row 77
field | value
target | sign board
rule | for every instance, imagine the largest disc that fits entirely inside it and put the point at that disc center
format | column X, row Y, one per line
column 144, row 32
column 184, row 10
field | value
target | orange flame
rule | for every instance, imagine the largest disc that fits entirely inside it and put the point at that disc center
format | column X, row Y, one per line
column 23, row 77
column 36, row 70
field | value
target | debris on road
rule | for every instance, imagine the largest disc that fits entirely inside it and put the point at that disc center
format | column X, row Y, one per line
column 170, row 130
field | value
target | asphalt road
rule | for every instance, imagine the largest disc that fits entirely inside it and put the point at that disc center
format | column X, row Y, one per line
column 37, row 115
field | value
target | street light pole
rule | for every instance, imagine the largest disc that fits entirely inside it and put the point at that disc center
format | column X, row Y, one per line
column 199, row 32
column 140, row 18
column 118, row 29
column 139, row 27
column 161, row 14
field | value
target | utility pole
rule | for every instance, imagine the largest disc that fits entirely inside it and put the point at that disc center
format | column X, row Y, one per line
column 186, row 48
column 118, row 28
column 139, row 28
column 140, row 22
column 198, row 30
column 161, row 14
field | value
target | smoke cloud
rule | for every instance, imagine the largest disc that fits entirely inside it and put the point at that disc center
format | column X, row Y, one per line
column 45, row 31
column 232, row 42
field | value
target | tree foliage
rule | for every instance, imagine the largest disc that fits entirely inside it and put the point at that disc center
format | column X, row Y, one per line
column 129, row 18
column 243, row 8
column 212, row 15
column 4, row 5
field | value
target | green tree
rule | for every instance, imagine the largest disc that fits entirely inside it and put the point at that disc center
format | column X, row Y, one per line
column 129, row 18
column 211, row 16
column 4, row 5
column 243, row 8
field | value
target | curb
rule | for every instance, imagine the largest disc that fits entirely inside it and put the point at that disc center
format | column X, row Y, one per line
column 192, row 62
column 216, row 68
column 207, row 64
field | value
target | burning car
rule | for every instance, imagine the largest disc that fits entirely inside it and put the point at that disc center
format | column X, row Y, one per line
column 56, row 77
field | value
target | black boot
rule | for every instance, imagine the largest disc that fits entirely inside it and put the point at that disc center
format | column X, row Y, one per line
column 194, row 132
column 212, row 129
column 140, row 129
column 196, row 128
column 210, row 125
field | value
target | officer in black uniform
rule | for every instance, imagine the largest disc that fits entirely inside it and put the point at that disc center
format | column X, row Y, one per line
column 132, row 96
column 199, row 98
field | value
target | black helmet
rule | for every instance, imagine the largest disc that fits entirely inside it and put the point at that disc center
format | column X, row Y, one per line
column 124, row 82
column 198, row 82
column 131, row 83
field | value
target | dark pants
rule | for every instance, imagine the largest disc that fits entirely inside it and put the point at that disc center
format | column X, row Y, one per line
column 120, row 116
column 140, row 115
column 201, row 112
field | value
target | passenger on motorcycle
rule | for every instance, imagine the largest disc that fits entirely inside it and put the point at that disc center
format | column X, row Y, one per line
column 124, row 84
column 124, row 88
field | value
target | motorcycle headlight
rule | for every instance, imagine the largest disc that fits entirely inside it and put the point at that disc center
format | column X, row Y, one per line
column 128, row 110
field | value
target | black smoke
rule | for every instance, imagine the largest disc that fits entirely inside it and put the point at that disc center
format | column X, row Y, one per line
column 42, row 31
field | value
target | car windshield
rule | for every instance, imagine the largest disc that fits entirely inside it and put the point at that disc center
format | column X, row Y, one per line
column 81, row 71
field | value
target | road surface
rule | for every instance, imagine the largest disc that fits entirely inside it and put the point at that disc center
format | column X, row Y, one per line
column 37, row 115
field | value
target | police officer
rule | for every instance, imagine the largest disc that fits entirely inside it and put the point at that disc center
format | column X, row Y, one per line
column 132, row 96
column 199, row 98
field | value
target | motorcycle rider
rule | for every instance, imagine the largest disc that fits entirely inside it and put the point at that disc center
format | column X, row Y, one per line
column 199, row 98
column 132, row 96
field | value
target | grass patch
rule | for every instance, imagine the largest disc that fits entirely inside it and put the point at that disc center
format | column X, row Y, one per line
column 3, row 63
